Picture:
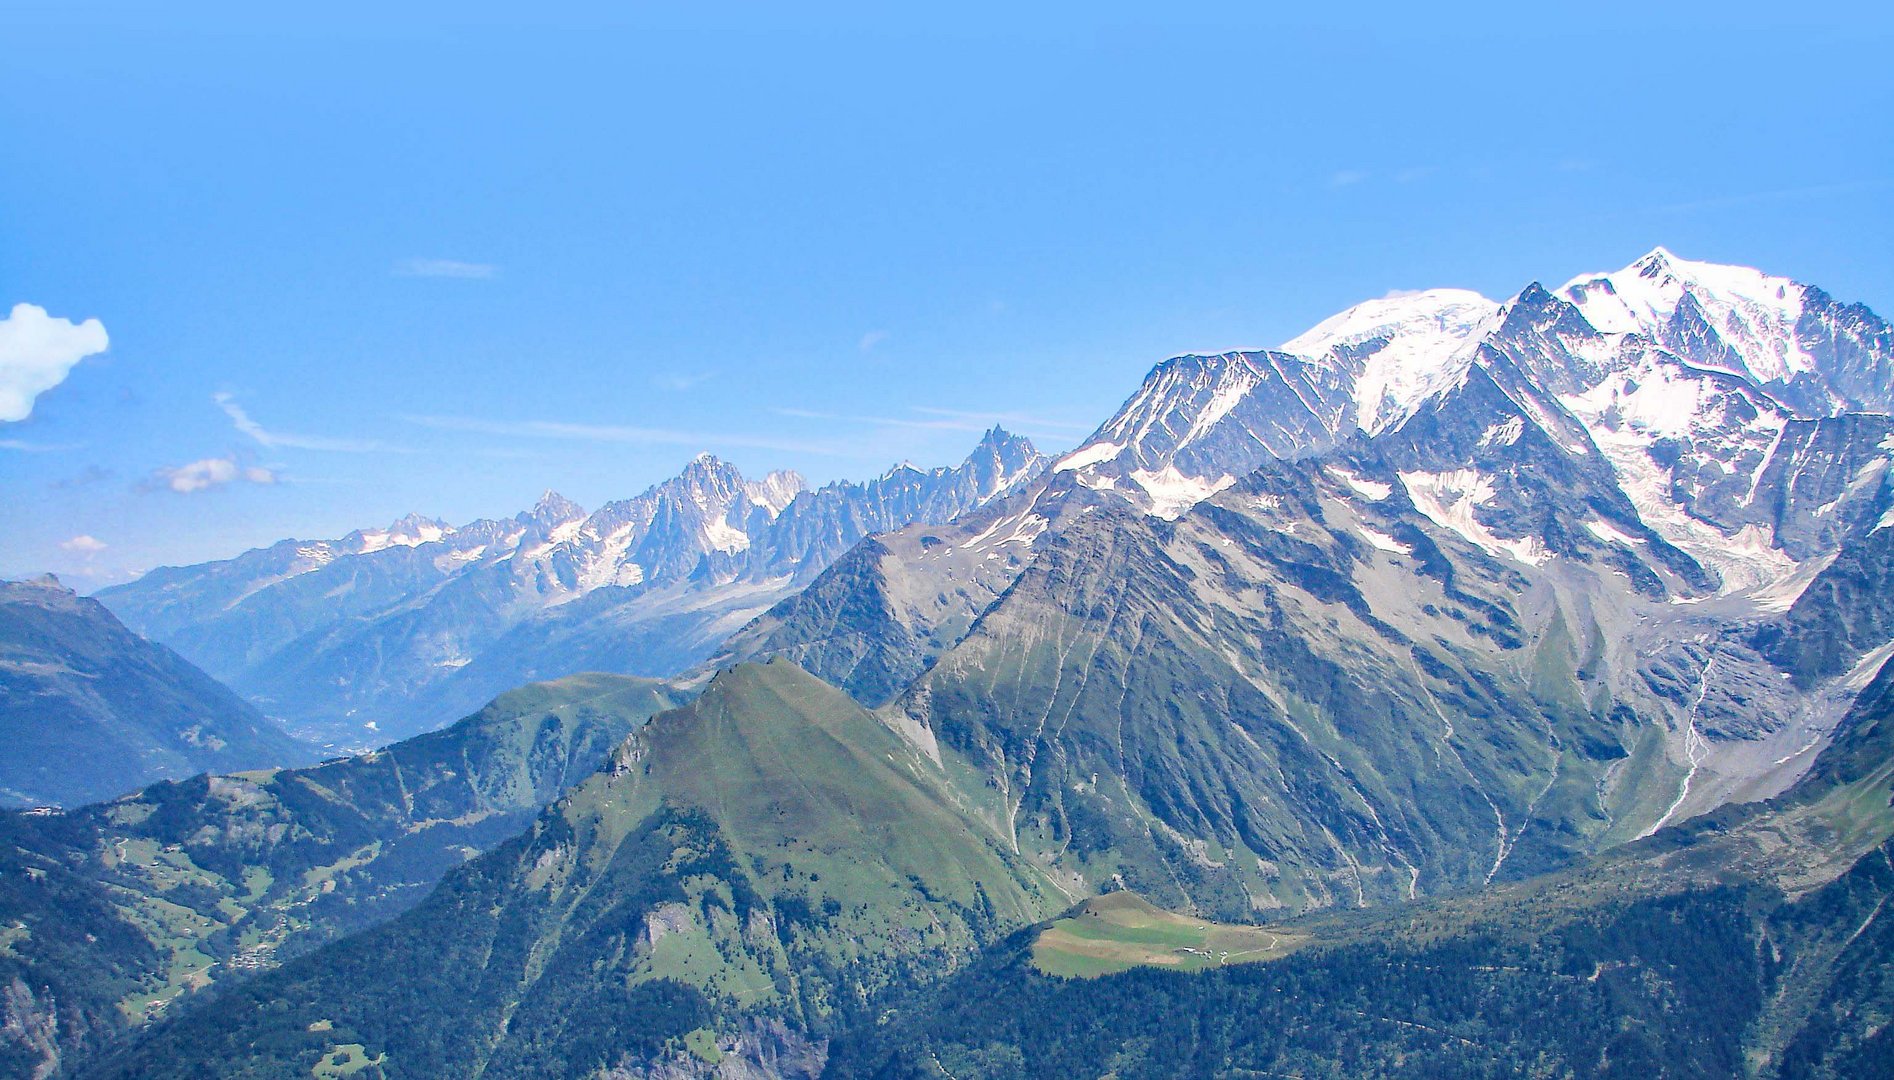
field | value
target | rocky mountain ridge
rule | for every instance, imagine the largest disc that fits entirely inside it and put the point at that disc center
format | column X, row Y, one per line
column 392, row 631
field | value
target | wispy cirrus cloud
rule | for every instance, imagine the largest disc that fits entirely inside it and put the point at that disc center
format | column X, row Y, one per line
column 1720, row 202
column 681, row 381
column 610, row 433
column 28, row 446
column 446, row 268
column 937, row 419
column 1346, row 177
column 1022, row 420
column 871, row 340
column 37, row 351
column 207, row 474
column 243, row 422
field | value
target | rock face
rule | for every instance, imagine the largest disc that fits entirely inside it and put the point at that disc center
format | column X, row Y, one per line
column 1603, row 576
column 407, row 627
column 89, row 710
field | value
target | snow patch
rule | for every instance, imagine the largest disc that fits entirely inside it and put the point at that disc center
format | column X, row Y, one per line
column 1449, row 500
column 722, row 536
column 1383, row 541
column 1095, row 454
column 1603, row 530
column 1372, row 490
column 1503, row 434
column 1172, row 492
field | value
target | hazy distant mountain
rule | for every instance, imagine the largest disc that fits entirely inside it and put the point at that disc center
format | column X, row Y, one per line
column 394, row 631
column 90, row 710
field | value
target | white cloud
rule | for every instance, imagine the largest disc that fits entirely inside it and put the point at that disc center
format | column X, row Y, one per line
column 445, row 268
column 84, row 544
column 873, row 338
column 210, row 473
column 264, row 436
column 683, row 380
column 1346, row 177
column 36, row 352
column 1401, row 294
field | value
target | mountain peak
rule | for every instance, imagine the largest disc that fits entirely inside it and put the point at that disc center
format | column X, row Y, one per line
column 415, row 525
column 554, row 509
column 998, row 438
column 1436, row 313
column 1399, row 348
column 708, row 473
column 1754, row 313
column 1655, row 261
column 776, row 490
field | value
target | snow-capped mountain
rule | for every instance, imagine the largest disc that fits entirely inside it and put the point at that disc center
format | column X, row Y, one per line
column 1795, row 342
column 1681, row 562
column 1735, row 412
column 414, row 624
column 1397, row 351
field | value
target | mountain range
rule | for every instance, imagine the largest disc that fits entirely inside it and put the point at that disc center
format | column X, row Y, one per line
column 1507, row 659
column 392, row 632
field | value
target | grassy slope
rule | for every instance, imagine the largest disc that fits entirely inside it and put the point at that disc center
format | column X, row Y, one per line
column 1252, row 709
column 1119, row 931
column 769, row 849
column 1752, row 941
column 120, row 907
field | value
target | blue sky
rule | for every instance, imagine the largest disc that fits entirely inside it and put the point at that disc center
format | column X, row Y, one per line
column 440, row 261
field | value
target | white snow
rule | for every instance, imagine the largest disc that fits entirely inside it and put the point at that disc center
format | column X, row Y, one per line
column 1780, row 595
column 1626, row 414
column 723, row 536
column 1372, row 490
column 1229, row 392
column 1604, row 530
column 1383, row 541
column 1423, row 333
column 1095, row 454
column 1021, row 528
column 1172, row 492
column 1503, row 434
column 776, row 491
column 1752, row 311
column 1449, row 500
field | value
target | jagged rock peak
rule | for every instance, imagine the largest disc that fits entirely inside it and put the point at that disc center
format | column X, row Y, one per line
column 777, row 490
column 553, row 509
